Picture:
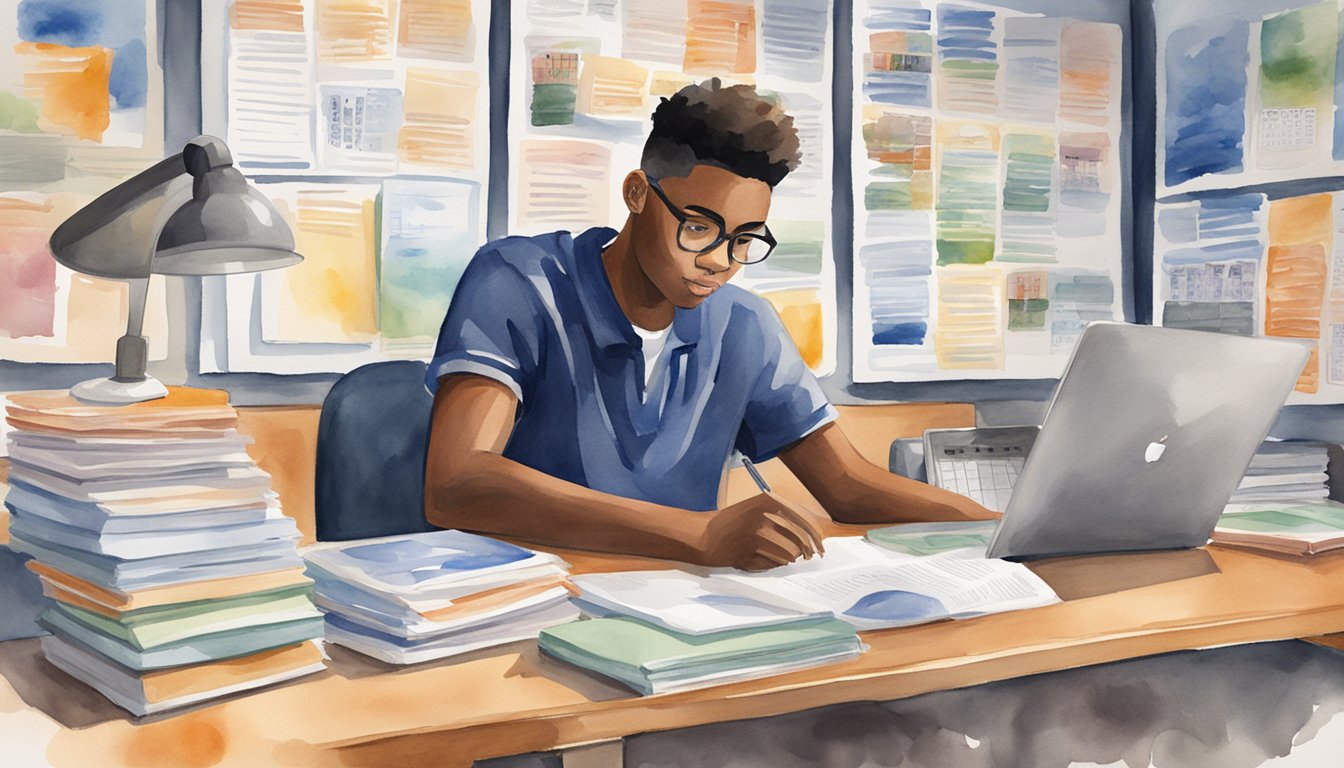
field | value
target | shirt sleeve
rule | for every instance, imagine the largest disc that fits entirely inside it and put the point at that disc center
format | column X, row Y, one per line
column 786, row 402
column 493, row 327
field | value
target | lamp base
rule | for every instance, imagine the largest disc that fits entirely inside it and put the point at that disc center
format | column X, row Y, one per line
column 107, row 391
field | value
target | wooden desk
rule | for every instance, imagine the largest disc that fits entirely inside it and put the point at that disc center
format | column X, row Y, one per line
column 511, row 700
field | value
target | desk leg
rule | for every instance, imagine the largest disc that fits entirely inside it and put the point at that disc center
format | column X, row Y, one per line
column 608, row 754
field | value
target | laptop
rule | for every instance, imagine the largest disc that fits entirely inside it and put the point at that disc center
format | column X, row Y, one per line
column 1148, row 434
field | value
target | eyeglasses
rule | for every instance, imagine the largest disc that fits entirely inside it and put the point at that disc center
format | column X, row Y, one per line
column 703, row 230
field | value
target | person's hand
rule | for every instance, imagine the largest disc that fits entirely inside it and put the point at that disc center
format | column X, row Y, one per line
column 761, row 532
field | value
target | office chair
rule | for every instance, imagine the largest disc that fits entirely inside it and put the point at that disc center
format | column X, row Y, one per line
column 371, row 443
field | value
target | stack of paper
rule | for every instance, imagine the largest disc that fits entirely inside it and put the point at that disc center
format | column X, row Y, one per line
column 660, row 631
column 1290, row 527
column 174, row 575
column 412, row 598
column 671, row 630
column 1282, row 470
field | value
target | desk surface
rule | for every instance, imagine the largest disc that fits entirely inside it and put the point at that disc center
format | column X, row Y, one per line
column 511, row 700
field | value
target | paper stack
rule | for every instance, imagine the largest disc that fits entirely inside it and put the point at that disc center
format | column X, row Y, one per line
column 662, row 631
column 1282, row 470
column 1293, row 528
column 659, row 631
column 652, row 659
column 174, row 574
column 417, row 597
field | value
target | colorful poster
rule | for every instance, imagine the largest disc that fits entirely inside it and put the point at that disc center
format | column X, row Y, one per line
column 428, row 236
column 1247, row 93
column 1248, row 221
column 49, row 314
column 81, row 108
column 987, row 187
column 84, row 71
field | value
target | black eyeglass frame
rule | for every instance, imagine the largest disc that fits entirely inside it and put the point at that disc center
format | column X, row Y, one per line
column 768, row 237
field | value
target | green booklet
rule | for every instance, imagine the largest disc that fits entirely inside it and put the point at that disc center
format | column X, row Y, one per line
column 651, row 659
column 195, row 650
column 155, row 627
column 933, row 538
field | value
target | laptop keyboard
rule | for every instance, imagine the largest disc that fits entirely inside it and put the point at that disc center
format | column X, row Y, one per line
column 988, row 481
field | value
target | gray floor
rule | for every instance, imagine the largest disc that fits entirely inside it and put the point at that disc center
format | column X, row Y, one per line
column 1231, row 707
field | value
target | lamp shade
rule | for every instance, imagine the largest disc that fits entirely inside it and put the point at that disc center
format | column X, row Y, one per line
column 227, row 227
column 162, row 221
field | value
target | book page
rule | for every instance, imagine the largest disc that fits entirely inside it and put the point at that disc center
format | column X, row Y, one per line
column 903, row 592
column 681, row 602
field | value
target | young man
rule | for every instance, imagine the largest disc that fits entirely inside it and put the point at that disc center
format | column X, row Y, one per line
column 589, row 390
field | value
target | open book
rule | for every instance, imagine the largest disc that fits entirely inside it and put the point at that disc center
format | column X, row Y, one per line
column 855, row 581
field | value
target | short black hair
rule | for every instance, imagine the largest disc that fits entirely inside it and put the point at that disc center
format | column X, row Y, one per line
column 733, row 128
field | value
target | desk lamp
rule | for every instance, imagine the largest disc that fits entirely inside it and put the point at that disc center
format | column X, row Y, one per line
column 190, row 214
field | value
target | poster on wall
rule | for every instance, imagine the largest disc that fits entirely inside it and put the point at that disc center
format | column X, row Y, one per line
column 1249, row 223
column 366, row 123
column 584, row 79
column 988, row 185
column 81, row 107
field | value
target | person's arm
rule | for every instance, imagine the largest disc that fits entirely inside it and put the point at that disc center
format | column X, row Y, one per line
column 470, row 485
column 854, row 490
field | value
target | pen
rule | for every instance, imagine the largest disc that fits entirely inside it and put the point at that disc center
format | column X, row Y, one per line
column 755, row 475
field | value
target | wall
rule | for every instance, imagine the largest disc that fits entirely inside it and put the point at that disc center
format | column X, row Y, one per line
column 1003, row 401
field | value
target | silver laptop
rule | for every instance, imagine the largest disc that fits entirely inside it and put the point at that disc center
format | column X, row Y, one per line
column 1148, row 434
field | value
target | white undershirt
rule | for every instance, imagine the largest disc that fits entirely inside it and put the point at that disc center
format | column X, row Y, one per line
column 654, row 342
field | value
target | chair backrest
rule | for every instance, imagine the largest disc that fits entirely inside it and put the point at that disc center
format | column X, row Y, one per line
column 371, row 443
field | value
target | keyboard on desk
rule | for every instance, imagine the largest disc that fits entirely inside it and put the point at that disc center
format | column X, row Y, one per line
column 988, row 481
column 981, row 463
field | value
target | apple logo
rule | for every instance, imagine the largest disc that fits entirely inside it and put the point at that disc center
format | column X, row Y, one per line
column 1155, row 450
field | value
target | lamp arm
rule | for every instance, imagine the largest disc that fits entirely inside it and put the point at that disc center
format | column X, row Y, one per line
column 104, row 238
column 133, row 349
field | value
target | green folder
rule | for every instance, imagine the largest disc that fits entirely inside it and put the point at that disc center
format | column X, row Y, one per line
column 650, row 659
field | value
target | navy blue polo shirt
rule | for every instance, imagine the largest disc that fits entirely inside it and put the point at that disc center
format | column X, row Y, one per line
column 538, row 315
